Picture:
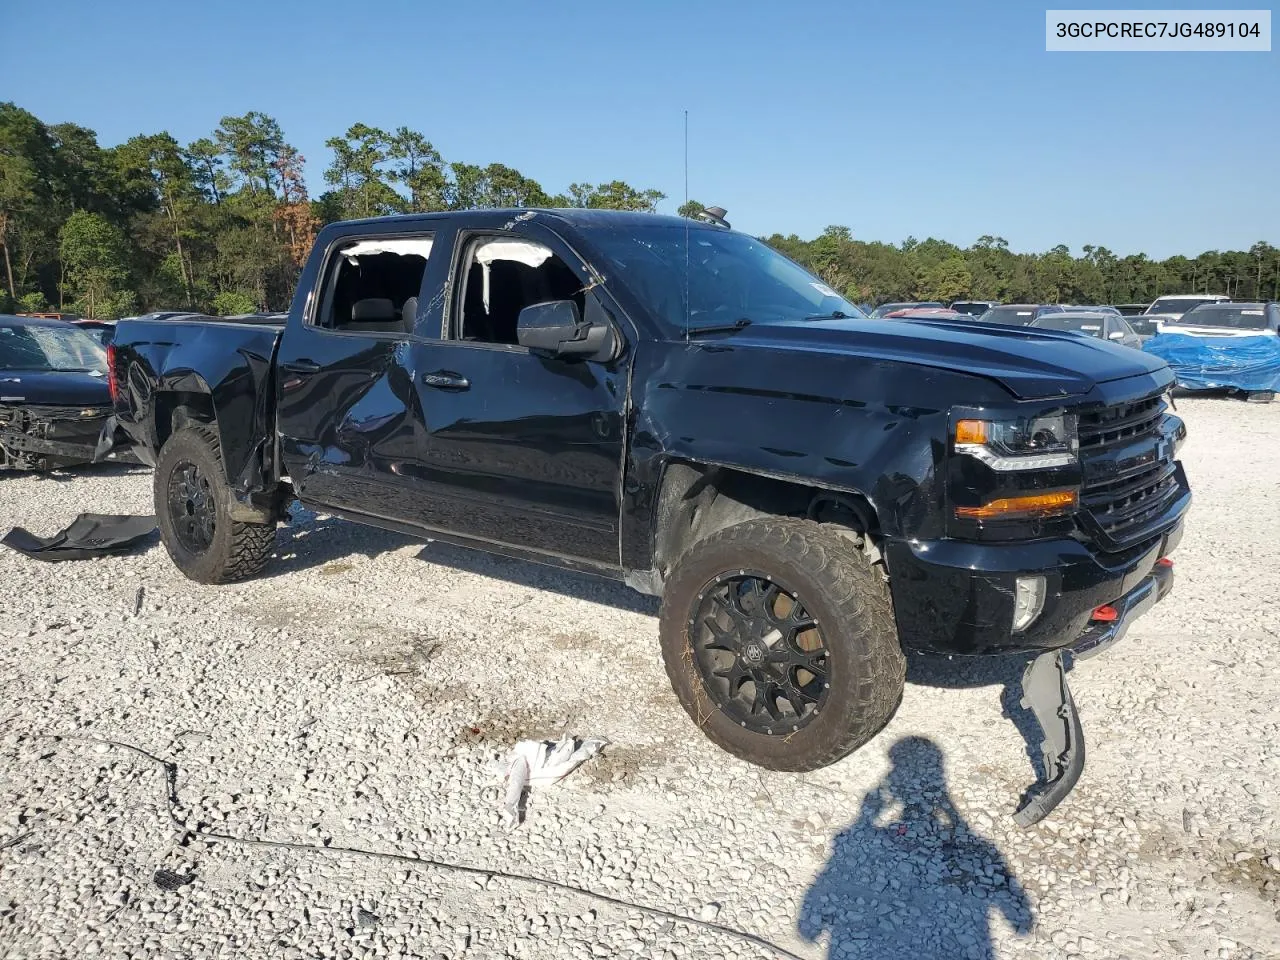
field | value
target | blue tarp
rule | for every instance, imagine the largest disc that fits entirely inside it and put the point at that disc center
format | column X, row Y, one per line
column 1214, row 363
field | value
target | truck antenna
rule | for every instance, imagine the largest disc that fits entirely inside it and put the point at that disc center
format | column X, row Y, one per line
column 686, row 226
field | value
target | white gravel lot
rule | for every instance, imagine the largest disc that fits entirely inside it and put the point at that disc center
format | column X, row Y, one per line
column 353, row 698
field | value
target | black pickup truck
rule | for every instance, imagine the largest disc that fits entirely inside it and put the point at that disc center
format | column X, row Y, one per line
column 675, row 405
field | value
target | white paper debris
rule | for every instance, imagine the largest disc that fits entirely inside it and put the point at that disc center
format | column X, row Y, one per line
column 541, row 763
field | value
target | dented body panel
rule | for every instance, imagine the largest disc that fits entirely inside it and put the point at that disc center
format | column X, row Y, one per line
column 588, row 465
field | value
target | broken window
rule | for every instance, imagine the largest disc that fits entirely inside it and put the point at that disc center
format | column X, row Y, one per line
column 372, row 285
column 503, row 276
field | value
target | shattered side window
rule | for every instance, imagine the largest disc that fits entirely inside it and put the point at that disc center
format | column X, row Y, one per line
column 500, row 276
column 371, row 285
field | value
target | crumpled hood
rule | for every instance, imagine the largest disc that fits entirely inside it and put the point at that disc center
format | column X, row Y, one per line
column 53, row 388
column 1029, row 363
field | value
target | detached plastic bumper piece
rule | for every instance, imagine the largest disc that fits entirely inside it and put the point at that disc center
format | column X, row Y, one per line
column 1046, row 694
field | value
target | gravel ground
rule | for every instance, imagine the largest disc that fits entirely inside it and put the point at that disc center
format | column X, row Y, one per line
column 347, row 708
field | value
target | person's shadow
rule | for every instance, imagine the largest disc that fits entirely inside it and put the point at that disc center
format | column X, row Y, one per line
column 909, row 878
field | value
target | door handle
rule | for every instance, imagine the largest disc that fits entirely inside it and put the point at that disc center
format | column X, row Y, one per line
column 445, row 380
column 301, row 366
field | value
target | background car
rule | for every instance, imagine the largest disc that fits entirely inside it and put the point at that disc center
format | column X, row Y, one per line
column 926, row 313
column 1226, row 320
column 1144, row 327
column 1231, row 346
column 1176, row 304
column 1019, row 314
column 1131, row 309
column 54, row 400
column 1085, row 308
column 1104, row 326
column 884, row 308
column 974, row 308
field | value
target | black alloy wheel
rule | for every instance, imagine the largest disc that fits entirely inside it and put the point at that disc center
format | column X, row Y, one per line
column 192, row 507
column 759, row 653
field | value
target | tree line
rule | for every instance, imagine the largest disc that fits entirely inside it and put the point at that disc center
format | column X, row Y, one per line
column 224, row 223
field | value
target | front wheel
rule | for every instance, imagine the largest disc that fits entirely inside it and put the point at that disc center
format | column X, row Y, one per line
column 779, row 640
column 193, row 508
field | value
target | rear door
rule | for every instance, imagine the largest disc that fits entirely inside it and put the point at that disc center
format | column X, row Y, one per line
column 514, row 448
column 345, row 389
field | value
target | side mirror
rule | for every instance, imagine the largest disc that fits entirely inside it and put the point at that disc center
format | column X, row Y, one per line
column 1118, row 335
column 556, row 329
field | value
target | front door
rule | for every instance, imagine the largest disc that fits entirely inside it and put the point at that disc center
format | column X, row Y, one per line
column 518, row 449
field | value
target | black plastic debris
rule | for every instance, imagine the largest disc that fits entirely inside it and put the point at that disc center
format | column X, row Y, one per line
column 89, row 535
column 169, row 881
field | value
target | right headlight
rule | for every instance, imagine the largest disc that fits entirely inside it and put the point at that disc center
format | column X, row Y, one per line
column 1027, row 443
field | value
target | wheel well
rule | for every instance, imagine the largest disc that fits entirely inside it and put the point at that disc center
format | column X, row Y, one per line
column 175, row 409
column 697, row 500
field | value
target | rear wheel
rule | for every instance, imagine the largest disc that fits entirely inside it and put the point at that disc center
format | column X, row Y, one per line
column 193, row 509
column 779, row 640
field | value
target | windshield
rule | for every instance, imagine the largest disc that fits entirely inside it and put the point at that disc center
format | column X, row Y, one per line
column 1070, row 321
column 1177, row 304
column 729, row 277
column 973, row 309
column 1011, row 316
column 50, row 348
column 1237, row 316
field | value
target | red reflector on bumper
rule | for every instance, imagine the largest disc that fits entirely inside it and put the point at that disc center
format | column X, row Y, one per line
column 1164, row 562
column 1106, row 613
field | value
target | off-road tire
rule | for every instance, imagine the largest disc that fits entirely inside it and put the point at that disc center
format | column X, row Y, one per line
column 846, row 593
column 238, row 550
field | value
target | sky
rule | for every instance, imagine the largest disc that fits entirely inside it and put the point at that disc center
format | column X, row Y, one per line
column 929, row 118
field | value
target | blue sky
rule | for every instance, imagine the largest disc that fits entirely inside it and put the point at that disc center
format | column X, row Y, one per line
column 930, row 118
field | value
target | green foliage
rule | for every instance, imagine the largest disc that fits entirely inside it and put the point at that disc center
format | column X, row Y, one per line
column 228, row 303
column 95, row 255
column 933, row 269
column 224, row 223
column 33, row 302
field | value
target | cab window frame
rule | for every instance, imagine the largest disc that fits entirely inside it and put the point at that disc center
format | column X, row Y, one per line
column 321, row 298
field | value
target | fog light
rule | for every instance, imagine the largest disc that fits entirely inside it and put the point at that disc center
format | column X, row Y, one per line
column 1028, row 601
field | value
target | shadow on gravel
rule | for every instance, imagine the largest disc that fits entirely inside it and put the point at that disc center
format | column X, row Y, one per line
column 580, row 586
column 910, row 878
column 308, row 541
column 1004, row 672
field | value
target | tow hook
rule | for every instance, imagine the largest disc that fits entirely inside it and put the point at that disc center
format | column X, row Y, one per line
column 1046, row 694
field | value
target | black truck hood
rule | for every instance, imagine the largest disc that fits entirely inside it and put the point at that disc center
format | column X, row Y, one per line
column 1029, row 363
column 54, row 388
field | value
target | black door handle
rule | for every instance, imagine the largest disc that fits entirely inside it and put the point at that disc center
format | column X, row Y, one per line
column 446, row 380
column 301, row 366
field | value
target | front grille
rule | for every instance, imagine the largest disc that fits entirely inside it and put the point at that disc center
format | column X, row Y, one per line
column 1121, row 423
column 1130, row 476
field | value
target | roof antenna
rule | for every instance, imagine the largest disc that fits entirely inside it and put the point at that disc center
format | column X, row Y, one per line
column 686, row 227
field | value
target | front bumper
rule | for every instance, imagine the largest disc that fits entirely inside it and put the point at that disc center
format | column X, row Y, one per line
column 957, row 597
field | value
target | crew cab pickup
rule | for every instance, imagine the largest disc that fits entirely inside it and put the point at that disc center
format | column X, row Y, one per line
column 674, row 404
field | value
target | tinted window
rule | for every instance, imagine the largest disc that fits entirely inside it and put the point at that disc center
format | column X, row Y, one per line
column 1235, row 316
column 1093, row 326
column 1176, row 304
column 1011, row 316
column 972, row 309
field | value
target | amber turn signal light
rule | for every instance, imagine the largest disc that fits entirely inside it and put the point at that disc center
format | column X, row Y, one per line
column 1050, row 504
column 971, row 431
